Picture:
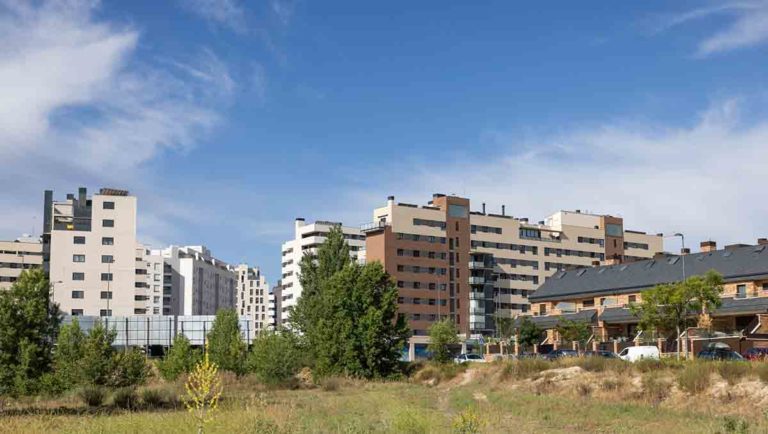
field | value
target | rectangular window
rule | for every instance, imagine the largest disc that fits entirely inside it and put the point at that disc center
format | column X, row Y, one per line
column 107, row 223
column 78, row 294
column 77, row 312
column 632, row 299
column 107, row 241
column 107, row 259
column 109, row 205
column 457, row 211
column 741, row 291
column 78, row 240
column 78, row 258
column 614, row 230
column 106, row 277
column 78, row 276
column 106, row 295
column 105, row 312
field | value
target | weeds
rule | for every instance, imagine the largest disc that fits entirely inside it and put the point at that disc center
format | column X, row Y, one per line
column 695, row 377
column 435, row 373
column 93, row 396
column 583, row 389
column 126, row 398
column 735, row 425
column 732, row 372
column 526, row 368
column 655, row 389
column 467, row 422
column 409, row 422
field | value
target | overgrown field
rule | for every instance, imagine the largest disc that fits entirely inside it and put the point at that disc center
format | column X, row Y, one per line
column 530, row 396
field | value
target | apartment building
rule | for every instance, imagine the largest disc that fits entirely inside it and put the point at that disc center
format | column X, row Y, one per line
column 253, row 298
column 602, row 295
column 276, row 305
column 472, row 265
column 20, row 254
column 307, row 238
column 149, row 282
column 195, row 282
column 89, row 248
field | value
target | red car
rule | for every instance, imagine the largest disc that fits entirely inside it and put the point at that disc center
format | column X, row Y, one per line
column 756, row 354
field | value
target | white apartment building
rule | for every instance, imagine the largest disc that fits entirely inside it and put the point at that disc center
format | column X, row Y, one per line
column 20, row 254
column 307, row 238
column 149, row 282
column 89, row 246
column 253, row 298
column 195, row 282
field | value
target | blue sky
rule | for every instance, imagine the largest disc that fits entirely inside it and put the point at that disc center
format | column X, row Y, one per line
column 229, row 118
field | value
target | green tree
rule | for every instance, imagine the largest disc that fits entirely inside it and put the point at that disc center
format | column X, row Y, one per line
column 442, row 334
column 69, row 355
column 706, row 291
column 570, row 331
column 347, row 313
column 28, row 324
column 225, row 343
column 99, row 362
column 528, row 334
column 275, row 357
column 505, row 327
column 131, row 368
column 180, row 359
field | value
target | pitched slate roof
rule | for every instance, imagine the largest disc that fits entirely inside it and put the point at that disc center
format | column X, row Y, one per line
column 738, row 263
column 551, row 321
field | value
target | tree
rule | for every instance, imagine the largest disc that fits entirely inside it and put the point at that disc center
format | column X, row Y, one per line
column 99, row 362
column 578, row 331
column 275, row 357
column 130, row 368
column 347, row 313
column 505, row 327
column 528, row 334
column 225, row 344
column 706, row 291
column 28, row 324
column 180, row 359
column 442, row 335
column 69, row 355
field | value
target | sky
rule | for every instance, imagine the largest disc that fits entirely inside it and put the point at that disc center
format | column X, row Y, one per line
column 230, row 118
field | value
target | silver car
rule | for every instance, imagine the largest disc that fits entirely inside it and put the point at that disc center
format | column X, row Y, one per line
column 469, row 358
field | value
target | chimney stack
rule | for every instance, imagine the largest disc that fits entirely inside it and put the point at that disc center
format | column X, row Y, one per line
column 708, row 246
column 503, row 210
column 483, row 207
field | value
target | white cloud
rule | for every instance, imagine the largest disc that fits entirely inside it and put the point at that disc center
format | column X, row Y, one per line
column 227, row 13
column 706, row 179
column 748, row 28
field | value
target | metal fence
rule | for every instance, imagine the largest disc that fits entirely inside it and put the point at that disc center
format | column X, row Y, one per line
column 160, row 330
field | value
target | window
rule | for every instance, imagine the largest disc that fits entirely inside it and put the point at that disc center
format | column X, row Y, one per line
column 78, row 294
column 632, row 299
column 530, row 233
column 107, row 241
column 78, row 240
column 107, row 259
column 77, row 312
column 105, row 312
column 542, row 309
column 107, row 223
column 106, row 295
column 614, row 230
column 106, row 277
column 108, row 205
column 78, row 258
column 588, row 303
column 78, row 276
column 741, row 291
column 458, row 211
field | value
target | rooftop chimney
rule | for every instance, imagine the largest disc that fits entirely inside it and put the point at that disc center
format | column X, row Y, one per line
column 390, row 200
column 762, row 241
column 483, row 207
column 503, row 210
column 708, row 246
column 685, row 251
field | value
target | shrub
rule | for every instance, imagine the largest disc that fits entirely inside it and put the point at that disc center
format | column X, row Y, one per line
column 732, row 372
column 442, row 334
column 331, row 384
column 525, row 368
column 68, row 356
column 130, row 369
column 467, row 422
column 180, row 359
column 583, row 389
column 125, row 398
column 654, row 388
column 735, row 425
column 647, row 365
column 159, row 398
column 275, row 357
column 438, row 372
column 695, row 377
column 93, row 396
column 610, row 384
column 761, row 369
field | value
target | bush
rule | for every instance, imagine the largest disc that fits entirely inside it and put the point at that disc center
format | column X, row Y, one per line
column 467, row 422
column 647, row 365
column 131, row 369
column 735, row 425
column 93, row 396
column 654, row 388
column 125, row 398
column 275, row 357
column 525, row 368
column 180, row 359
column 442, row 334
column 438, row 372
column 159, row 398
column 732, row 372
column 695, row 377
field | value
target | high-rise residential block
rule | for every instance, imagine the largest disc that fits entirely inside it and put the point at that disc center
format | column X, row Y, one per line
column 21, row 254
column 89, row 246
column 253, row 298
column 149, row 282
column 448, row 261
column 307, row 238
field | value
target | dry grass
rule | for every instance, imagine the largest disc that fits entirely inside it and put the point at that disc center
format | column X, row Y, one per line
column 695, row 377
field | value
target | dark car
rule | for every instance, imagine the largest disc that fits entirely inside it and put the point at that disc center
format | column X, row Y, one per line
column 601, row 353
column 720, row 354
column 756, row 354
column 561, row 354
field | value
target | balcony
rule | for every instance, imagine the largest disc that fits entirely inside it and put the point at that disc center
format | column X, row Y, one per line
column 477, row 265
column 476, row 280
column 477, row 296
column 373, row 227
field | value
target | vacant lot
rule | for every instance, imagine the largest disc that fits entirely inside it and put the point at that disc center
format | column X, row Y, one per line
column 498, row 398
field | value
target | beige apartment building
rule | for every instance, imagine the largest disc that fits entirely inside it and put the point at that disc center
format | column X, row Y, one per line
column 149, row 282
column 472, row 265
column 89, row 245
column 253, row 298
column 21, row 254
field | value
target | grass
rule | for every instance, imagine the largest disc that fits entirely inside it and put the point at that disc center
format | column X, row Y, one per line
column 695, row 377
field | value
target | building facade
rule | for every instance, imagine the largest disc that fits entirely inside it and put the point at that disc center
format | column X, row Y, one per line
column 89, row 246
column 195, row 282
column 472, row 266
column 276, row 305
column 149, row 282
column 20, row 254
column 307, row 238
column 253, row 298
column 602, row 295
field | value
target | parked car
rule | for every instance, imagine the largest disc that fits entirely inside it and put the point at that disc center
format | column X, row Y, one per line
column 756, row 354
column 528, row 355
column 720, row 354
column 468, row 358
column 633, row 354
column 601, row 353
column 561, row 354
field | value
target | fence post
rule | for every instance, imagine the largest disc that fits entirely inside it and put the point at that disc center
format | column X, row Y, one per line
column 204, row 335
column 127, row 339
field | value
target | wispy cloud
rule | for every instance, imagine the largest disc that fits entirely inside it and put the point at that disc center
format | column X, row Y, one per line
column 227, row 13
column 283, row 10
column 748, row 25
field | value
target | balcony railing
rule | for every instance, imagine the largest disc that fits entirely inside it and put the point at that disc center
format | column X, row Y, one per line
column 373, row 226
column 477, row 296
column 477, row 265
column 476, row 280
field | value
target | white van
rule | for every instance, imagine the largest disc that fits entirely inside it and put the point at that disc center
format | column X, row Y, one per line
column 633, row 354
